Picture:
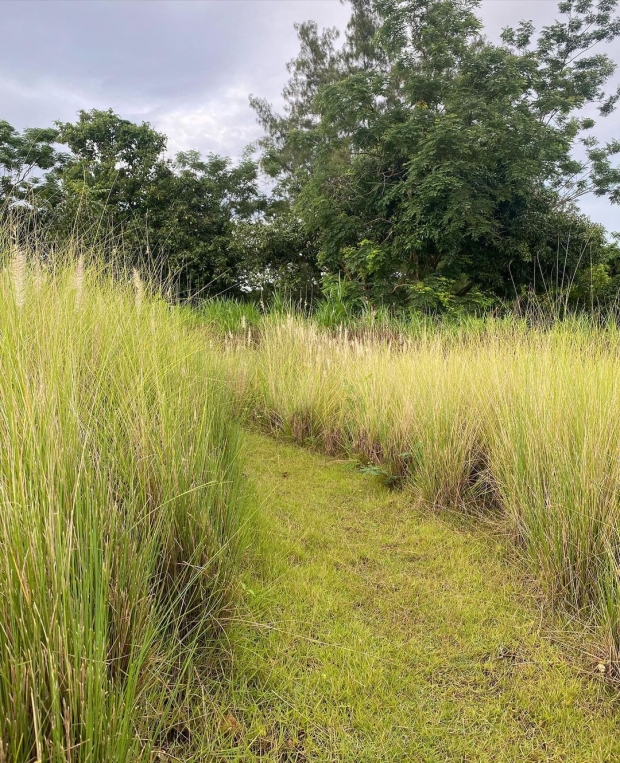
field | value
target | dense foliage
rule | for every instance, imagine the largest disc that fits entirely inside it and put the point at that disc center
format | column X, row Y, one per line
column 431, row 164
column 417, row 164
column 171, row 216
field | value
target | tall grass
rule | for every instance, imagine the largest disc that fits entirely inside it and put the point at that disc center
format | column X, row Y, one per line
column 520, row 423
column 120, row 514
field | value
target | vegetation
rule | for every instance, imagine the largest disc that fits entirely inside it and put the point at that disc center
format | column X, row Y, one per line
column 416, row 293
column 374, row 630
column 121, row 515
column 418, row 164
column 429, row 163
column 116, row 190
column 510, row 422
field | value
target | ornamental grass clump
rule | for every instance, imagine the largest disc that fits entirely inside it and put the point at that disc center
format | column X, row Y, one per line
column 553, row 439
column 120, row 515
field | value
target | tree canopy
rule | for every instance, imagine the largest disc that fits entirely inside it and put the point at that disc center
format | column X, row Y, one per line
column 416, row 164
column 431, row 163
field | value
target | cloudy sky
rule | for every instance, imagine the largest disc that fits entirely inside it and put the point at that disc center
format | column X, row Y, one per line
column 186, row 66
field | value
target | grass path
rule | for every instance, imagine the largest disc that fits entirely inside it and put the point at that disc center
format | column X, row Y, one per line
column 377, row 632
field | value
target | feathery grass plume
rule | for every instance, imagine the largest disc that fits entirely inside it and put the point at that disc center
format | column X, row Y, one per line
column 18, row 273
column 138, row 286
column 79, row 281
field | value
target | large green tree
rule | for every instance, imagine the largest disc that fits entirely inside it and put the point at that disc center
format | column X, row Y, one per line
column 195, row 206
column 429, row 162
column 175, row 217
column 104, row 181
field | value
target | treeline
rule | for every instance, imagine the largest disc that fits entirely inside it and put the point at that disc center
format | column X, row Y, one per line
column 416, row 165
column 104, row 179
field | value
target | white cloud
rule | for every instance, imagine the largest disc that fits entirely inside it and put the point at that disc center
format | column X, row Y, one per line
column 223, row 125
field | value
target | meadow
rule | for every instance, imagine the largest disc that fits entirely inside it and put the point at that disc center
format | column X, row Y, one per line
column 514, row 423
column 381, row 524
column 174, row 588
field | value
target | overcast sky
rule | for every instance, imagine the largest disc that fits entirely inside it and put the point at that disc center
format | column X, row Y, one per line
column 186, row 66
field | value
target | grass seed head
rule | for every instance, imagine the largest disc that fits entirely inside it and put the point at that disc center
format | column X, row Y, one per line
column 138, row 286
column 79, row 281
column 18, row 273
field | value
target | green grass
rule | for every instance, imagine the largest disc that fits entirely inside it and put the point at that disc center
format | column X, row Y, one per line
column 374, row 630
column 368, row 625
column 227, row 315
column 517, row 424
column 121, row 508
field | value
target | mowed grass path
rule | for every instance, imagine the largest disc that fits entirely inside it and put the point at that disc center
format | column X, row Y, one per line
column 379, row 632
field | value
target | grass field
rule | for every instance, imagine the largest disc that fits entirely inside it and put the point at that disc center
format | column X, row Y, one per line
column 390, row 605
column 518, row 425
column 372, row 629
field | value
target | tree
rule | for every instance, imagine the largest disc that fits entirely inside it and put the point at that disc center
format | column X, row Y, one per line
column 195, row 206
column 428, row 155
column 173, row 217
column 22, row 155
column 278, row 255
column 106, row 177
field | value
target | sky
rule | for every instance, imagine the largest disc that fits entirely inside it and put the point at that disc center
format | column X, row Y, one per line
column 186, row 66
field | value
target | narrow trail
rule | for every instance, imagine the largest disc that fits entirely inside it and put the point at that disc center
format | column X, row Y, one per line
column 378, row 632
